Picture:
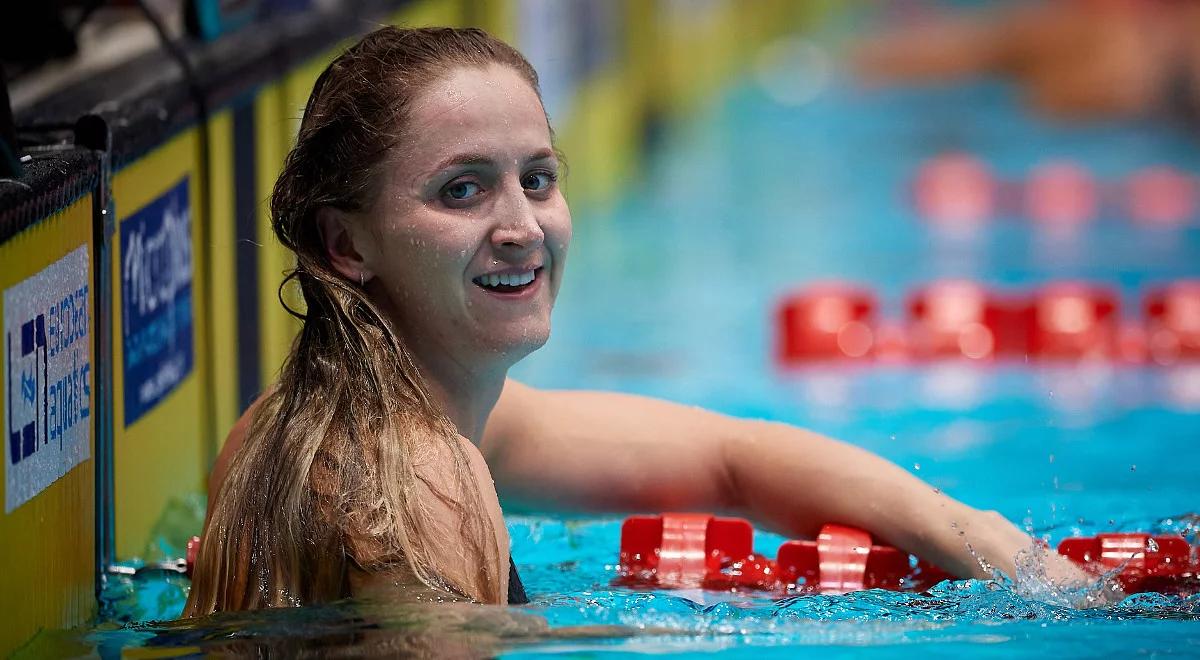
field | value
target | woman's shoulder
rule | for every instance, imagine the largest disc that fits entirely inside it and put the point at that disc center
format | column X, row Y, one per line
column 233, row 442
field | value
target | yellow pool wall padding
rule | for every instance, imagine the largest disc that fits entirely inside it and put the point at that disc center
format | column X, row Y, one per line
column 163, row 454
column 222, row 274
column 273, row 130
column 48, row 551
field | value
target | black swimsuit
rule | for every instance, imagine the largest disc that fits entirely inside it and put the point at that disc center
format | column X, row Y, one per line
column 516, row 590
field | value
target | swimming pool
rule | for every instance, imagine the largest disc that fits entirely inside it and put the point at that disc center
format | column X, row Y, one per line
column 670, row 293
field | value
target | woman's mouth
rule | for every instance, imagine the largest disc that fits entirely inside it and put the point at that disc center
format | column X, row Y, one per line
column 508, row 282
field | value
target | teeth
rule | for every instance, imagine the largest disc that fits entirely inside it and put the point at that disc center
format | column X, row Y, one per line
column 520, row 279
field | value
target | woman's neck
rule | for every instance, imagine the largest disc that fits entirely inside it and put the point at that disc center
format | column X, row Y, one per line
column 466, row 395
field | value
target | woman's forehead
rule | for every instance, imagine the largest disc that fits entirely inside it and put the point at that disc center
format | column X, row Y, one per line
column 476, row 110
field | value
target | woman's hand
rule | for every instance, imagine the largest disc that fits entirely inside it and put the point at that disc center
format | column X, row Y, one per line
column 1036, row 571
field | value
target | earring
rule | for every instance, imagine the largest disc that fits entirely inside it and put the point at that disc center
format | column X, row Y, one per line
column 362, row 279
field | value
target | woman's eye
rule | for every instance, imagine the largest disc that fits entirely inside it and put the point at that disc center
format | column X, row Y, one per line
column 462, row 190
column 537, row 181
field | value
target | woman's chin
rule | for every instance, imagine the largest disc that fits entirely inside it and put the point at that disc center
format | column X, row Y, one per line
column 516, row 342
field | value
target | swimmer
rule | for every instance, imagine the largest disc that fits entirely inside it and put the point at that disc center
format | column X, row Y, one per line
column 423, row 205
column 1072, row 58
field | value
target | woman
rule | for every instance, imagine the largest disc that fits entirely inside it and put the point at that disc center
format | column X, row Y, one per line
column 422, row 203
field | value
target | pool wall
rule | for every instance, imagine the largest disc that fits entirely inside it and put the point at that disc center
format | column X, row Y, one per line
column 139, row 236
column 47, row 539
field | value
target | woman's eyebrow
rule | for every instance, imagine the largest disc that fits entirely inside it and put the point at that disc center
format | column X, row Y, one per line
column 459, row 160
column 542, row 154
column 463, row 159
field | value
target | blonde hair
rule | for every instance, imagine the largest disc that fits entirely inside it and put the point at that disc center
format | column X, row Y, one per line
column 326, row 479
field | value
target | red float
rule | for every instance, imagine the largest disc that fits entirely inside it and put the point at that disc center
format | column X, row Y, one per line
column 193, row 549
column 689, row 550
column 681, row 549
column 1173, row 322
column 947, row 319
column 958, row 318
column 828, row 321
column 1066, row 320
column 1073, row 321
column 958, row 189
column 1061, row 194
column 700, row 550
column 843, row 559
column 955, row 189
column 1160, row 196
column 1164, row 564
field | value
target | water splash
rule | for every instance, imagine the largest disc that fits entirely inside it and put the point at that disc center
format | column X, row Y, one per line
column 1034, row 581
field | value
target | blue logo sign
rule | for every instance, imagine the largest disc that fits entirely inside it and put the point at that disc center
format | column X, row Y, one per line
column 156, row 296
column 47, row 377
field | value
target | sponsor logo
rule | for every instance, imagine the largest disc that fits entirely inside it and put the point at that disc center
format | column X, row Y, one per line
column 156, row 295
column 47, row 377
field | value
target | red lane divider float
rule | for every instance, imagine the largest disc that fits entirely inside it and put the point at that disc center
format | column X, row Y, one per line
column 958, row 189
column 955, row 189
column 1065, row 321
column 193, row 550
column 827, row 321
column 1073, row 320
column 954, row 318
column 1060, row 194
column 1160, row 196
column 719, row 554
column 1164, row 564
column 677, row 550
column 1173, row 322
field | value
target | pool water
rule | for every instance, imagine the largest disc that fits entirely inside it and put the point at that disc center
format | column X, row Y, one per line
column 670, row 293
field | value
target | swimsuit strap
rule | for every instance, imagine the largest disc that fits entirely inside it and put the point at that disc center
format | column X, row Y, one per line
column 516, row 590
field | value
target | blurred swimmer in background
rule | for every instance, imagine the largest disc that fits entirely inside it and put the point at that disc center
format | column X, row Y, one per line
column 422, row 202
column 1073, row 58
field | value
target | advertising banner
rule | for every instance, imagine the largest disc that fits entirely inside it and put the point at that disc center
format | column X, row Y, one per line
column 156, row 295
column 47, row 379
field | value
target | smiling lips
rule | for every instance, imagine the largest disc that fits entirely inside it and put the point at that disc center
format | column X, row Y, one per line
column 509, row 282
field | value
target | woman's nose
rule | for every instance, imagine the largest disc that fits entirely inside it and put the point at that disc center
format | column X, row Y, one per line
column 517, row 228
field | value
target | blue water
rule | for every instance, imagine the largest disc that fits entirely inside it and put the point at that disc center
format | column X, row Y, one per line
column 669, row 293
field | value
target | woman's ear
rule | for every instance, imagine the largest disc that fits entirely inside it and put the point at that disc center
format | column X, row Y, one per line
column 338, row 238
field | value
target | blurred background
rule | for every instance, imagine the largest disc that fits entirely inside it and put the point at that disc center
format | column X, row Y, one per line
column 961, row 234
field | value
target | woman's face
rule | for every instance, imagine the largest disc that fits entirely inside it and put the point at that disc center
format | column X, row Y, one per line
column 469, row 235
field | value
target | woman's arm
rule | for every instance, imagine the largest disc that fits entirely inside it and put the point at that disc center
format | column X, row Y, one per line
column 610, row 452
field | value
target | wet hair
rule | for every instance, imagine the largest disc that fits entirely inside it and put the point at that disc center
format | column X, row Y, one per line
column 327, row 481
